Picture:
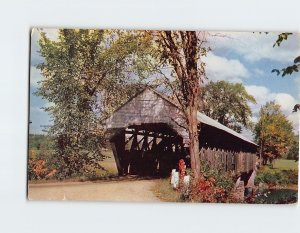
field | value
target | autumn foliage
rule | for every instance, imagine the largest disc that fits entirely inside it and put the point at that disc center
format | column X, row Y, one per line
column 206, row 190
column 38, row 167
column 273, row 132
column 38, row 170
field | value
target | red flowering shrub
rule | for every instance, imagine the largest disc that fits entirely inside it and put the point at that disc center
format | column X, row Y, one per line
column 206, row 190
column 213, row 186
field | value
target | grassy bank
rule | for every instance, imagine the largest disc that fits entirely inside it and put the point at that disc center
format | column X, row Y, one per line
column 284, row 173
column 164, row 191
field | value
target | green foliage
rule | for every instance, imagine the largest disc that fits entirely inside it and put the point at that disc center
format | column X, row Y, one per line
column 281, row 37
column 87, row 74
column 291, row 176
column 293, row 151
column 276, row 196
column 291, row 68
column 283, row 172
column 271, row 178
column 284, row 177
column 40, row 142
column 228, row 103
column 273, row 132
column 222, row 179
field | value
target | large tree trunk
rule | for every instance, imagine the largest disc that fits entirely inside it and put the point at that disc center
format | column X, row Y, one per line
column 193, row 99
column 194, row 141
column 182, row 52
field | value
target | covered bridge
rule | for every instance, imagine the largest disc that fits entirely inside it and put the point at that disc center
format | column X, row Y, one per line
column 148, row 137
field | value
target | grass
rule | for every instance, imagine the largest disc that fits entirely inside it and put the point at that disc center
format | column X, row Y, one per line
column 109, row 163
column 165, row 192
column 281, row 165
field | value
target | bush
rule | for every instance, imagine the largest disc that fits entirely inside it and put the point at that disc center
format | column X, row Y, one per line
column 222, row 179
column 276, row 196
column 284, row 177
column 291, row 175
column 213, row 186
column 38, row 166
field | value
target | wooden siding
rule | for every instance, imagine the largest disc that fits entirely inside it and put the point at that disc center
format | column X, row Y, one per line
column 238, row 162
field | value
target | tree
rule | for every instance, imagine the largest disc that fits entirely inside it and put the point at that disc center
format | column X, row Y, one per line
column 293, row 151
column 273, row 132
column 228, row 104
column 181, row 52
column 86, row 75
column 291, row 68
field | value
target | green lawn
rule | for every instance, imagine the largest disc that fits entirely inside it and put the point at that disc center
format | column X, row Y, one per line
column 283, row 164
column 109, row 163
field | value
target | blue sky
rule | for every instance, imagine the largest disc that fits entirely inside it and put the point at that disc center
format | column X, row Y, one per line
column 243, row 57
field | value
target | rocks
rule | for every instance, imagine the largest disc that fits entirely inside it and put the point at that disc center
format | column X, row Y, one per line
column 174, row 179
column 238, row 192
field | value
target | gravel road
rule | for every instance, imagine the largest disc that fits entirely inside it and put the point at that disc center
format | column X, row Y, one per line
column 128, row 191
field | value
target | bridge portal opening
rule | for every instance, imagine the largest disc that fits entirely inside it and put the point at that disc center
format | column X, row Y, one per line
column 147, row 149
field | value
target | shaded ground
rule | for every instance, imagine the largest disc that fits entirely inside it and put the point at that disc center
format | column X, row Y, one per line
column 132, row 191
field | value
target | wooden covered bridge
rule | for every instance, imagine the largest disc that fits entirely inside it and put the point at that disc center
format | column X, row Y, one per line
column 148, row 137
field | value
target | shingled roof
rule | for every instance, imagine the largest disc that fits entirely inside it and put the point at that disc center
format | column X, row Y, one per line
column 202, row 118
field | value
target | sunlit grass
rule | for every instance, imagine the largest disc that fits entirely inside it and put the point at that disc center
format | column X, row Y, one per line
column 164, row 191
column 282, row 164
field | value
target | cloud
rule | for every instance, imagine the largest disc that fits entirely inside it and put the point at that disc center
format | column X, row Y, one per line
column 255, row 46
column 221, row 68
column 264, row 95
column 52, row 33
column 286, row 101
column 297, row 83
column 258, row 72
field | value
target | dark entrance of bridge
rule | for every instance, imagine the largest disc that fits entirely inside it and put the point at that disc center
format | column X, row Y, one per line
column 148, row 149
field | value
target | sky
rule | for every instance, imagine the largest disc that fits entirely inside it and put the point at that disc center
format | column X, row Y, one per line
column 239, row 57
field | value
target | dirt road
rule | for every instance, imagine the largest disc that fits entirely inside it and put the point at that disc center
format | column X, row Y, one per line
column 131, row 191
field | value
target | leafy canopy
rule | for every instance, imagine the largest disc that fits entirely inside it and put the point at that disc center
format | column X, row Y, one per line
column 228, row 103
column 273, row 132
column 86, row 75
column 291, row 68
